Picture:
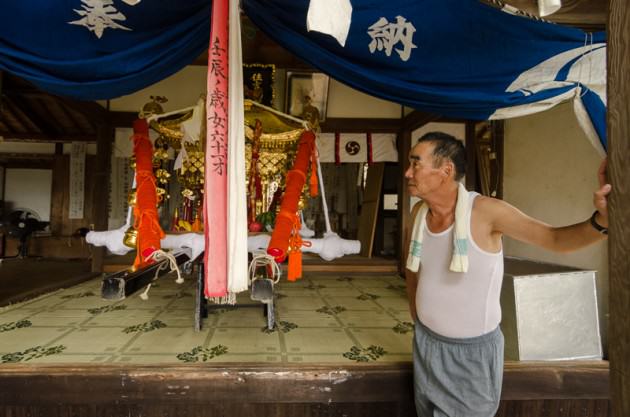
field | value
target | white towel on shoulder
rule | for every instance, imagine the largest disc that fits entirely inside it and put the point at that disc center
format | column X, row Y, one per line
column 459, row 260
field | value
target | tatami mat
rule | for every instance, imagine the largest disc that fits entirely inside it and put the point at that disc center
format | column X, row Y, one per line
column 319, row 319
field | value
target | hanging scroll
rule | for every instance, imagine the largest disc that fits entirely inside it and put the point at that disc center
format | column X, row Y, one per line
column 77, row 180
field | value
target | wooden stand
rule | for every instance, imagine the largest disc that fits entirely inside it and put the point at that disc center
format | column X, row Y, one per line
column 202, row 306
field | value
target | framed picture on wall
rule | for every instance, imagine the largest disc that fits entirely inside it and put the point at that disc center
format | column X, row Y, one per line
column 258, row 80
column 307, row 95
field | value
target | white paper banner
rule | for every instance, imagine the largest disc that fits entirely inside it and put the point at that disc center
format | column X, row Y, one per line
column 353, row 147
column 77, row 180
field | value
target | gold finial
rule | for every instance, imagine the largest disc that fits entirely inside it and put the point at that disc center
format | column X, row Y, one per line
column 152, row 107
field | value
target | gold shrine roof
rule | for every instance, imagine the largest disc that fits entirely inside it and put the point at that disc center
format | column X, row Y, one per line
column 275, row 128
column 277, row 131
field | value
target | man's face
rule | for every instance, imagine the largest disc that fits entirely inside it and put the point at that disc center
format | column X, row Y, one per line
column 422, row 177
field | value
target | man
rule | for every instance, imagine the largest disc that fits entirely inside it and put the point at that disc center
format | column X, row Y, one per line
column 457, row 252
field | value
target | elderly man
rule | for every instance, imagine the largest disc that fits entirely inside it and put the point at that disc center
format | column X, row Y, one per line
column 454, row 275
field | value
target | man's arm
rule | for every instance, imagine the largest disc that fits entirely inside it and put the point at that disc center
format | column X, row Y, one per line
column 508, row 220
column 411, row 278
column 412, row 284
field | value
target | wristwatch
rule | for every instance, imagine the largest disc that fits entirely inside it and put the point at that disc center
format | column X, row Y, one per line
column 601, row 229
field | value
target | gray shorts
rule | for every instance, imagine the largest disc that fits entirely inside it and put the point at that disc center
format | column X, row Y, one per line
column 457, row 377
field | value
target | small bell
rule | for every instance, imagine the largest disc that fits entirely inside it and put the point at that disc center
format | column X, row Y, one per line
column 132, row 197
column 131, row 237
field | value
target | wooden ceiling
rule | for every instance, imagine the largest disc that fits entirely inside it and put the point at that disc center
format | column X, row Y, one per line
column 585, row 14
column 29, row 114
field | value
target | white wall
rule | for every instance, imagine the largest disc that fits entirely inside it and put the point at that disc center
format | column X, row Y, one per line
column 344, row 101
column 26, row 147
column 184, row 88
column 551, row 173
column 29, row 188
column 32, row 188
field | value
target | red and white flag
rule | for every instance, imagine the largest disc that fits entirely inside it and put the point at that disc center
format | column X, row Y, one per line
column 216, row 164
column 224, row 193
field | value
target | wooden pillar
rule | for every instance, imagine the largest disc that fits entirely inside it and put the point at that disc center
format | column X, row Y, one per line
column 619, row 223
column 498, row 140
column 100, row 207
column 58, row 192
column 470, row 141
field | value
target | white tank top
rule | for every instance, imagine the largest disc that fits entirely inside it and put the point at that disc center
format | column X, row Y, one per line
column 456, row 304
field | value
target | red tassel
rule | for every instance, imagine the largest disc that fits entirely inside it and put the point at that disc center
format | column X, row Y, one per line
column 295, row 251
column 295, row 266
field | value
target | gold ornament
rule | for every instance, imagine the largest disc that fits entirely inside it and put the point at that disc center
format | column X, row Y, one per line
column 188, row 193
column 152, row 107
column 162, row 176
column 131, row 237
column 132, row 197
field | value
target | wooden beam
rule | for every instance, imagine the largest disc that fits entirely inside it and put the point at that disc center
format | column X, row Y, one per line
column 618, row 86
column 46, row 138
column 361, row 125
column 40, row 385
column 555, row 380
column 28, row 164
column 586, row 14
column 417, row 119
column 26, row 161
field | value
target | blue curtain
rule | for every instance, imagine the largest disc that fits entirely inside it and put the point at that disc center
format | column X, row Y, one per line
column 457, row 58
column 108, row 51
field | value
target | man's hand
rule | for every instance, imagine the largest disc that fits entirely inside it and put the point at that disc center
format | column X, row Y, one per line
column 600, row 197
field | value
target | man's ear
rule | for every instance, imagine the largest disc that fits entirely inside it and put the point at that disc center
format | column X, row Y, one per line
column 447, row 169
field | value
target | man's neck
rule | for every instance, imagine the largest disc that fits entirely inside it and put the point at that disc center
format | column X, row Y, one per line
column 442, row 203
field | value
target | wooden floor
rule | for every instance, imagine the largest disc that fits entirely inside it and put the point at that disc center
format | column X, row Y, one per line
column 350, row 264
column 568, row 389
column 22, row 279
